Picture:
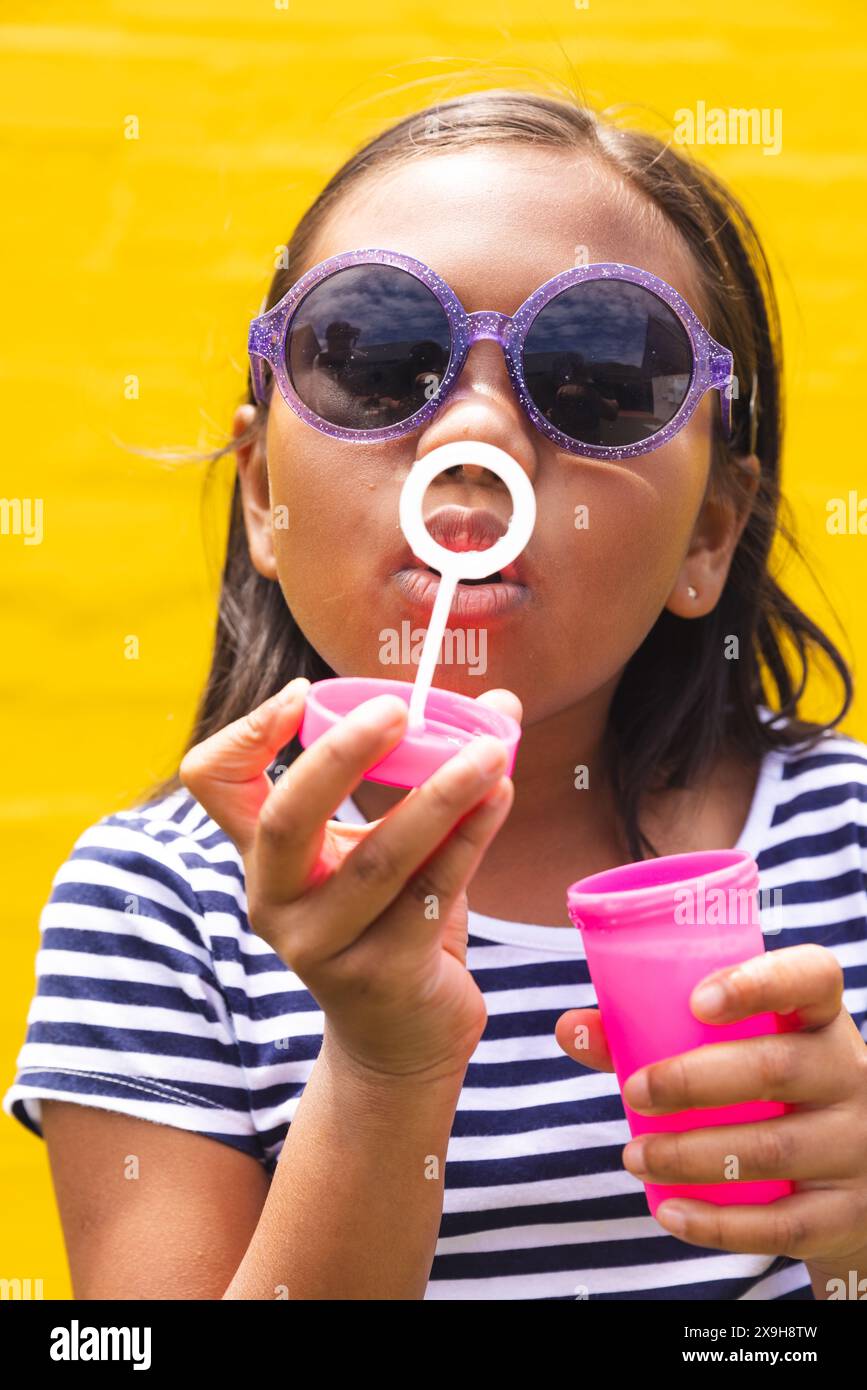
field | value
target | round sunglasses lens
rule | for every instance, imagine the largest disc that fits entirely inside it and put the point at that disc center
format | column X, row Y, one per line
column 608, row 362
column 368, row 347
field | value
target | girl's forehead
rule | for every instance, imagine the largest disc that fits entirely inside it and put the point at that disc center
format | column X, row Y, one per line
column 496, row 224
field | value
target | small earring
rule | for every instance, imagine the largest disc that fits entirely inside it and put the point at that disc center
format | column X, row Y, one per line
column 693, row 593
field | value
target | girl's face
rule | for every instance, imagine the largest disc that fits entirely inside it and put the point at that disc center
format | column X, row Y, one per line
column 614, row 542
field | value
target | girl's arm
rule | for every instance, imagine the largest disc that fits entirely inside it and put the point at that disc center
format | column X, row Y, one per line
column 149, row 1210
column 355, row 1204
column 152, row 1211
column 375, row 925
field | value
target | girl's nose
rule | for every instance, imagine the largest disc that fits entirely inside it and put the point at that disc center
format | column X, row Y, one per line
column 483, row 406
column 473, row 472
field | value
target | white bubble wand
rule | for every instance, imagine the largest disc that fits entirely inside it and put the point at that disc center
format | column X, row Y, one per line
column 457, row 565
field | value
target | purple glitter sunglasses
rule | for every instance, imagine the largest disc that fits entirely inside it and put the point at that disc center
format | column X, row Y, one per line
column 608, row 361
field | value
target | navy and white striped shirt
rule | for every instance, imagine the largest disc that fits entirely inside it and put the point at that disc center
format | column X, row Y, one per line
column 155, row 998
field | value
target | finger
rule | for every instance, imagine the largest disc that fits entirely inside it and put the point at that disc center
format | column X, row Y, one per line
column 582, row 1037
column 801, row 1226
column 503, row 701
column 794, row 1067
column 292, row 822
column 226, row 772
column 377, row 870
column 433, row 889
column 792, row 1146
column 804, row 981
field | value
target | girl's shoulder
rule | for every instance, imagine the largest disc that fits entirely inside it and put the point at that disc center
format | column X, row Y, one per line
column 812, row 794
column 133, row 1009
column 808, row 834
column 170, row 844
column 820, row 773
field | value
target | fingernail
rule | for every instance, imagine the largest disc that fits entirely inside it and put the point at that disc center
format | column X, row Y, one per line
column 710, row 998
column 639, row 1092
column 299, row 685
column 633, row 1158
column 488, row 754
column 672, row 1216
column 379, row 714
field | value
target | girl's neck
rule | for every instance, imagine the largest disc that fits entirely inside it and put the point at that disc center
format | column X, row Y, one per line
column 561, row 769
column 563, row 815
column 557, row 831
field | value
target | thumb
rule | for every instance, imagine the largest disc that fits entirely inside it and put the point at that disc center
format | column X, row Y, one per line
column 502, row 700
column 226, row 772
column 582, row 1037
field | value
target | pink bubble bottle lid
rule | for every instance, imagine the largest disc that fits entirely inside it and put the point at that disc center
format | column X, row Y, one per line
column 451, row 721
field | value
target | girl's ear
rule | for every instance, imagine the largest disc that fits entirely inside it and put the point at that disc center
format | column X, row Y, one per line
column 715, row 537
column 255, row 491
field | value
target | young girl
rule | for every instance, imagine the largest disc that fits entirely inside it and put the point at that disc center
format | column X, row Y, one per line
column 246, row 967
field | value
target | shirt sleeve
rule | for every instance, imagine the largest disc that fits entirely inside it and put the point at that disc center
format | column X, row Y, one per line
column 128, row 1014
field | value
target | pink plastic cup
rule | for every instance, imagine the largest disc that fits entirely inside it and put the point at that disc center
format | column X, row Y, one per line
column 451, row 722
column 651, row 931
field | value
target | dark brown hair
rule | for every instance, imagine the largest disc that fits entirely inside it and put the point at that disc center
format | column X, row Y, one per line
column 679, row 701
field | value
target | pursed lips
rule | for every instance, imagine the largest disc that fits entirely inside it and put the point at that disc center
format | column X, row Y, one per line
column 464, row 528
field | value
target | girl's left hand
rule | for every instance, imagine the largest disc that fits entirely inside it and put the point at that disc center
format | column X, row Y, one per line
column 819, row 1065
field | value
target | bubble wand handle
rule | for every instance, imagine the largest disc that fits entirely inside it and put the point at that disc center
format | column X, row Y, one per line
column 431, row 648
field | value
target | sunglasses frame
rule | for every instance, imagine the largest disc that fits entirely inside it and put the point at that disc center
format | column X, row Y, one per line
column 712, row 364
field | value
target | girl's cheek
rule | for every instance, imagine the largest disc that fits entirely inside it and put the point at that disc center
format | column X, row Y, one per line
column 622, row 538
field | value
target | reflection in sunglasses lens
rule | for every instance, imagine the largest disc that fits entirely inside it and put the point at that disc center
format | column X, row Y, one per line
column 607, row 362
column 368, row 347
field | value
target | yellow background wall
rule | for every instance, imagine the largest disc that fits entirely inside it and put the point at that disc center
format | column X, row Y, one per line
column 149, row 257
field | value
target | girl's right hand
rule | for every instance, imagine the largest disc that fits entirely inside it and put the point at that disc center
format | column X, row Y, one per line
column 372, row 918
